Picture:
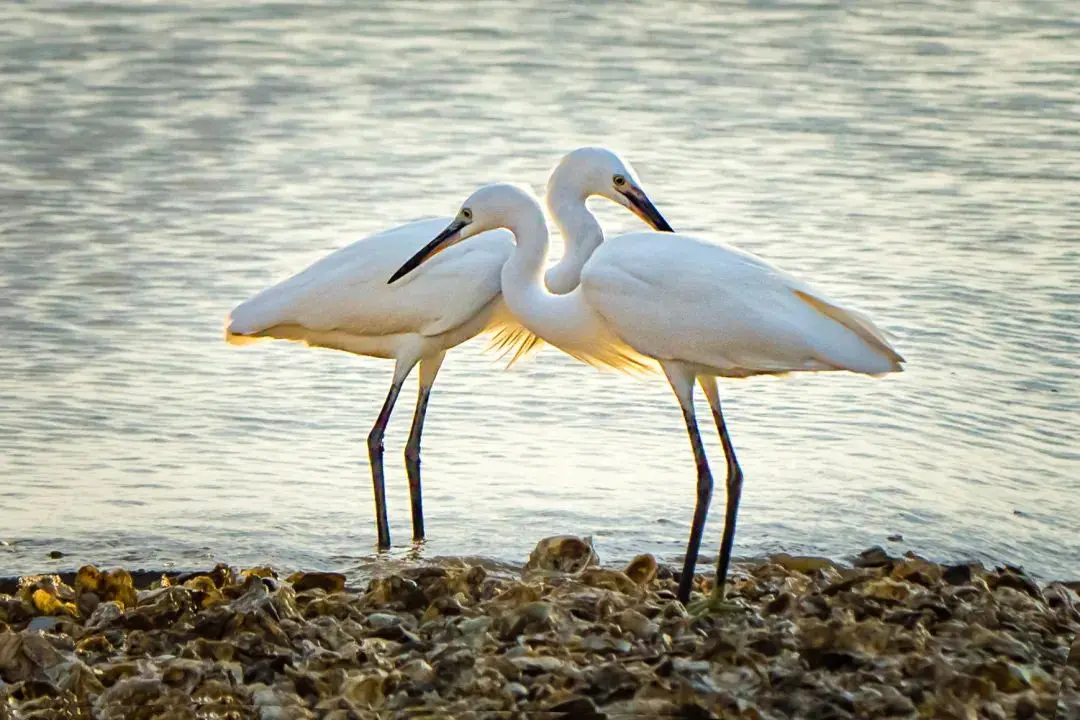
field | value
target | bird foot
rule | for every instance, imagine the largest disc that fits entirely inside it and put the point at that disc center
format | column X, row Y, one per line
column 714, row 604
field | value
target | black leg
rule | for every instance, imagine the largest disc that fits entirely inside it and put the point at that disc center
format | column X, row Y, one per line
column 412, row 463
column 734, row 492
column 375, row 454
column 429, row 368
column 701, row 506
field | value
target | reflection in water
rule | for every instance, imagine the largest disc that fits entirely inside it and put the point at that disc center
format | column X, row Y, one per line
column 162, row 161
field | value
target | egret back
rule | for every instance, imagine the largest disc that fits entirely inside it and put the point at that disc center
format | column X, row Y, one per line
column 346, row 292
column 676, row 297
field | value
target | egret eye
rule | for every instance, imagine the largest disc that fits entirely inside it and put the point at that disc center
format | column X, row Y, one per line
column 466, row 213
column 620, row 181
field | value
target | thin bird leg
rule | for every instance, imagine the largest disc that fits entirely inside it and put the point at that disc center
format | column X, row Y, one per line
column 734, row 486
column 429, row 368
column 375, row 452
column 682, row 382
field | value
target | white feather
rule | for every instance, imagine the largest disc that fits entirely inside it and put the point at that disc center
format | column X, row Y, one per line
column 675, row 297
column 345, row 294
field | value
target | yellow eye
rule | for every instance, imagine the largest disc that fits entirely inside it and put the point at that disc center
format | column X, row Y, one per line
column 620, row 181
column 466, row 213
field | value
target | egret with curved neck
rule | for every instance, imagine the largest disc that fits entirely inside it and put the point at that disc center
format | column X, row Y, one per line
column 342, row 302
column 581, row 174
column 699, row 310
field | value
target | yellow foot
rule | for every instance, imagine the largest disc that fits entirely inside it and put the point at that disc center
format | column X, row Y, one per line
column 714, row 604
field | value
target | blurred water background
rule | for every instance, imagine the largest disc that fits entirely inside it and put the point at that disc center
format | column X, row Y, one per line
column 161, row 161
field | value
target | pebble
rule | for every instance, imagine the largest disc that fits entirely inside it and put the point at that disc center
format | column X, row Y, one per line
column 1073, row 659
column 800, row 563
column 536, row 611
column 42, row 623
column 634, row 622
column 873, row 557
column 380, row 621
column 531, row 664
column 418, row 671
column 474, row 626
column 894, row 637
column 326, row 581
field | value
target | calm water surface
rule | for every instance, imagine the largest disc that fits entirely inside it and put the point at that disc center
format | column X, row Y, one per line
column 161, row 161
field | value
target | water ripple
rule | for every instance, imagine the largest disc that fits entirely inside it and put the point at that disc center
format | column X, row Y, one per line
column 163, row 160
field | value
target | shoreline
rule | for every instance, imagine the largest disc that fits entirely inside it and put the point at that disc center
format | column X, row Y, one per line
column 875, row 556
column 886, row 636
column 144, row 577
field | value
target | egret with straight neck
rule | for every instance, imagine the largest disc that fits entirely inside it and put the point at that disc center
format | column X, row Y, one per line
column 696, row 309
column 342, row 302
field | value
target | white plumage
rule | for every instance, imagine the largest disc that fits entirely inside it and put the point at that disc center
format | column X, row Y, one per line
column 675, row 297
column 343, row 302
column 695, row 308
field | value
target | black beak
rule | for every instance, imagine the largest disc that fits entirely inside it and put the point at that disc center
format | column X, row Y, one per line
column 433, row 248
column 642, row 206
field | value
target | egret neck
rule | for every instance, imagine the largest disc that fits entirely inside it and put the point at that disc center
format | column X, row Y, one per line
column 565, row 321
column 580, row 230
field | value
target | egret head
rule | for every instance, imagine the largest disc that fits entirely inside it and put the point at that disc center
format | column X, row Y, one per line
column 490, row 207
column 590, row 171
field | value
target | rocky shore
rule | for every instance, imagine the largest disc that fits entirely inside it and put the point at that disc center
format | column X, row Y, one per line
column 565, row 637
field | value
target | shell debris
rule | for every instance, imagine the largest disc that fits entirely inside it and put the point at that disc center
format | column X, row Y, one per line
column 888, row 637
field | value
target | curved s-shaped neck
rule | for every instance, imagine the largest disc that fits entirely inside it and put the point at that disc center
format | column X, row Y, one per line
column 562, row 320
column 581, row 233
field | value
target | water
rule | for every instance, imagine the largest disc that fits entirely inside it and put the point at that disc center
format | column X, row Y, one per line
column 162, row 161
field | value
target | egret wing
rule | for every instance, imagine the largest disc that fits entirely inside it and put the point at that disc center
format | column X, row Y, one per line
column 676, row 297
column 347, row 290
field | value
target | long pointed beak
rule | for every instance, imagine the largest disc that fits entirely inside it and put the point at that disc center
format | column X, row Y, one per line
column 450, row 236
column 642, row 206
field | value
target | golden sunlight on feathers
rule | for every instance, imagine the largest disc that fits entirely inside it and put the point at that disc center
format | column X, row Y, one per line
column 380, row 347
column 515, row 341
column 616, row 356
column 238, row 340
column 857, row 323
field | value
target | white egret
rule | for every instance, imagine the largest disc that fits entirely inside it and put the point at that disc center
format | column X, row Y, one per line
column 698, row 310
column 343, row 302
